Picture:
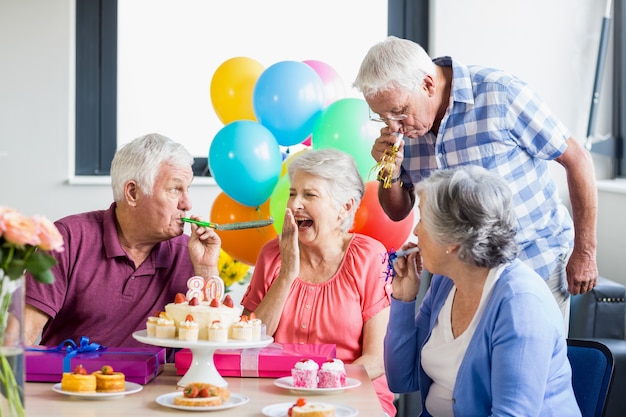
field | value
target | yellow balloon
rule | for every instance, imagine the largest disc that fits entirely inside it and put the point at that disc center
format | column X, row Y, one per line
column 232, row 87
column 287, row 161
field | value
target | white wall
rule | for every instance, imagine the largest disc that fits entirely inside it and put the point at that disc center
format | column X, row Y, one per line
column 551, row 44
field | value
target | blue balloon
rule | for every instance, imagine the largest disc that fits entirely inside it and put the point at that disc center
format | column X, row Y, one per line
column 245, row 161
column 288, row 98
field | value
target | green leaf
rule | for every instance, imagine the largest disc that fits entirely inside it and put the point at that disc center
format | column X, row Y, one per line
column 39, row 262
column 45, row 277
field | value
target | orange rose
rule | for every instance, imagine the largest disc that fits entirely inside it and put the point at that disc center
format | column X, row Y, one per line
column 19, row 229
column 49, row 236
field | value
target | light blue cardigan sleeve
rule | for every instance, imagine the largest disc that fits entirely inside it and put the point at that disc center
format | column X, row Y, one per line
column 402, row 357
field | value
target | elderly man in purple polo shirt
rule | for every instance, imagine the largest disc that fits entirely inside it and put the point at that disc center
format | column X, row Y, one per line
column 122, row 265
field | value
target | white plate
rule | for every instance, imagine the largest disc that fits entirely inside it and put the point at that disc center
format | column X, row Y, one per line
column 280, row 410
column 129, row 388
column 287, row 383
column 167, row 400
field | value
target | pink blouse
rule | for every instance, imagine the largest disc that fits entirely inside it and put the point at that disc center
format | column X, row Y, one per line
column 334, row 311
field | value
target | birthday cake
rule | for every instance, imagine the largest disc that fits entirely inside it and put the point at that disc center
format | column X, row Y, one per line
column 202, row 302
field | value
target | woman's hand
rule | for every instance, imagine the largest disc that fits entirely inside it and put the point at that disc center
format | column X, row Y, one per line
column 406, row 283
column 289, row 248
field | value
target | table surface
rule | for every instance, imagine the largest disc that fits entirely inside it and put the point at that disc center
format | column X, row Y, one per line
column 41, row 400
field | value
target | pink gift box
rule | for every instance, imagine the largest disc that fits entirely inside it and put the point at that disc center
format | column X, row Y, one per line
column 272, row 361
column 138, row 364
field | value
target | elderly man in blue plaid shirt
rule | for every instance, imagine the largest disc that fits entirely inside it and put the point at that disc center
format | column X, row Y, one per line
column 451, row 114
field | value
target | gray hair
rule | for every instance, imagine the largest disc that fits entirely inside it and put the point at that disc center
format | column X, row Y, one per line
column 342, row 177
column 141, row 159
column 471, row 207
column 393, row 63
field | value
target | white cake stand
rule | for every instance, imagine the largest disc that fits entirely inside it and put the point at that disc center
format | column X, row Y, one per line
column 202, row 368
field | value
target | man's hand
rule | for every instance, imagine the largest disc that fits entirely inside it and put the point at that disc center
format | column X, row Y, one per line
column 582, row 272
column 204, row 250
column 384, row 143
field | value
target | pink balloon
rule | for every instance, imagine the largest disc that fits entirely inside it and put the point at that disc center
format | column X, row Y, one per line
column 334, row 88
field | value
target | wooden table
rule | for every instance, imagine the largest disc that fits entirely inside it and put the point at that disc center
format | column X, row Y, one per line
column 42, row 401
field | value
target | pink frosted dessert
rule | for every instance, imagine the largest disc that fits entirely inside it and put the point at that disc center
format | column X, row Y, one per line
column 332, row 374
column 304, row 374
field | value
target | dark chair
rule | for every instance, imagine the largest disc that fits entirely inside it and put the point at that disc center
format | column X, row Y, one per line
column 592, row 371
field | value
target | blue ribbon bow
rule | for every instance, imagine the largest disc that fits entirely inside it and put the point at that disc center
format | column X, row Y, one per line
column 72, row 349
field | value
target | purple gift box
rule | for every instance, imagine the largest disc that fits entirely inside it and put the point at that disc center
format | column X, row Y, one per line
column 138, row 364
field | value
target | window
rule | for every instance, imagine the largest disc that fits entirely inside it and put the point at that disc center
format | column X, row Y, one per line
column 113, row 106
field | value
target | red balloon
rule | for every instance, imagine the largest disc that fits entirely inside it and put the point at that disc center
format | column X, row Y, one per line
column 242, row 245
column 371, row 220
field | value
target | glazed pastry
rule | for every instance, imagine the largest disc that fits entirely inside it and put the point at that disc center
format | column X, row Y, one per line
column 78, row 381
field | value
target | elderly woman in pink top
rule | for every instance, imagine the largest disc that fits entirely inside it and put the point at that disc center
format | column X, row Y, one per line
column 319, row 283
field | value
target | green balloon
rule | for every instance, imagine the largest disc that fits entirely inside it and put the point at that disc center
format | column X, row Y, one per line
column 345, row 125
column 278, row 203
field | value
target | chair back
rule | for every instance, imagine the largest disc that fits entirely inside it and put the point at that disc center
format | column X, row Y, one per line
column 592, row 370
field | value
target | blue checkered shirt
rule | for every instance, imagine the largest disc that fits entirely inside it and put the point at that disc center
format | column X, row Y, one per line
column 497, row 121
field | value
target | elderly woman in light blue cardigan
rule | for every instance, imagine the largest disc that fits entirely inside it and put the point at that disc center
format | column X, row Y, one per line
column 488, row 338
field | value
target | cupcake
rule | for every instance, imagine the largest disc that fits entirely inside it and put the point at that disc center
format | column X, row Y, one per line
column 217, row 332
column 151, row 324
column 332, row 374
column 188, row 330
column 165, row 328
column 258, row 330
column 304, row 374
column 242, row 330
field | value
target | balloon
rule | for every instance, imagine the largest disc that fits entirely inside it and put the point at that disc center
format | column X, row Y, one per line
column 278, row 202
column 334, row 87
column 245, row 161
column 371, row 220
column 288, row 98
column 232, row 87
column 345, row 125
column 243, row 245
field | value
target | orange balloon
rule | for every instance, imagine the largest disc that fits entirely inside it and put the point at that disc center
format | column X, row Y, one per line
column 242, row 245
column 371, row 220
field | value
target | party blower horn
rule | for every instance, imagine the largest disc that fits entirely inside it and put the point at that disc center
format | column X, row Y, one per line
column 231, row 226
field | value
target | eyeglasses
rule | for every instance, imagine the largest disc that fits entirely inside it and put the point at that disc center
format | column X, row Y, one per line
column 394, row 117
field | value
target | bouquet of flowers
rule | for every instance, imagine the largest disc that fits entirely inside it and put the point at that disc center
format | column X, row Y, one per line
column 25, row 243
column 232, row 271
